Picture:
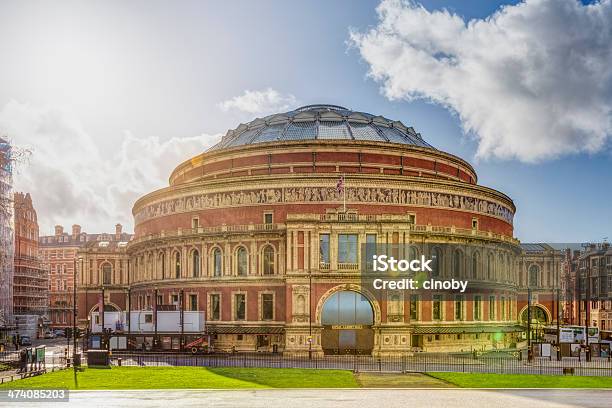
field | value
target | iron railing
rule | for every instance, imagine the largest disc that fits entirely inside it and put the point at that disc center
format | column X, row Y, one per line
column 494, row 362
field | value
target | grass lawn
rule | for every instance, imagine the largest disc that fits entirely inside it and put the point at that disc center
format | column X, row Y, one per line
column 469, row 380
column 118, row 378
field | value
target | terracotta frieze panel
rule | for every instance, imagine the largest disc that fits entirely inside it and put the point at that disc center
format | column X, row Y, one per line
column 373, row 195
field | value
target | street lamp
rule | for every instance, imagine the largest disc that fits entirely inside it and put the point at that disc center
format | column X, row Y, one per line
column 309, row 314
column 74, row 319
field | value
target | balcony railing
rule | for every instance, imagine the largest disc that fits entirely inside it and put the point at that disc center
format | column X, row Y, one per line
column 363, row 218
column 403, row 219
column 343, row 266
column 247, row 228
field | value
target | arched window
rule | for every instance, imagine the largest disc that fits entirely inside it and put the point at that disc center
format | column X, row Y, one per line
column 177, row 265
column 502, row 268
column 162, row 265
column 475, row 262
column 510, row 269
column 149, row 265
column 436, row 256
column 268, row 260
column 107, row 274
column 457, row 263
column 534, row 276
column 242, row 263
column 491, row 266
column 217, row 262
column 195, row 263
column 413, row 253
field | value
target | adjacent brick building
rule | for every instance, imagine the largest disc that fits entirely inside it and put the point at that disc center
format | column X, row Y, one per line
column 594, row 286
column 59, row 253
column 30, row 277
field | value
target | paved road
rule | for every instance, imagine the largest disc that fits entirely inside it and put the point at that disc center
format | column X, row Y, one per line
column 388, row 398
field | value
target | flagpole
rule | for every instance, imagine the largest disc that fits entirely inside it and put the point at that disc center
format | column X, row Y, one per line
column 344, row 190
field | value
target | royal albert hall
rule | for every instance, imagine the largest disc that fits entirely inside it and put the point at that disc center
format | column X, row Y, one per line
column 263, row 232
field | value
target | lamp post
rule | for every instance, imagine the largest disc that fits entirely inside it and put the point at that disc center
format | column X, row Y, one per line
column 309, row 314
column 529, row 353
column 74, row 319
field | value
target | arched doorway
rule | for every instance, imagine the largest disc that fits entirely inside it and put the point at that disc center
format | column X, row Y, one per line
column 347, row 317
column 539, row 320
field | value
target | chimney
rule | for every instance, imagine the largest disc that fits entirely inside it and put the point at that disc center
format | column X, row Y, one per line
column 59, row 230
column 118, row 228
column 76, row 230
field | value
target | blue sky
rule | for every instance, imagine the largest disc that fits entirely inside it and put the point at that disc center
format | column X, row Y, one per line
column 154, row 73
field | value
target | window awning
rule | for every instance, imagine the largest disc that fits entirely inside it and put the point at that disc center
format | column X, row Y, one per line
column 466, row 329
column 245, row 330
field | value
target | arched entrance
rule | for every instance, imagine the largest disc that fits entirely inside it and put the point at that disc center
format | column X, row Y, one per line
column 347, row 317
column 539, row 320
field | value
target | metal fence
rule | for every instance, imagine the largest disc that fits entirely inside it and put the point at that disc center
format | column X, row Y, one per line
column 9, row 356
column 501, row 363
column 53, row 362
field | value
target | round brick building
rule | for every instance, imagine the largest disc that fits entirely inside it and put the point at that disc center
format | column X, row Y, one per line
column 264, row 233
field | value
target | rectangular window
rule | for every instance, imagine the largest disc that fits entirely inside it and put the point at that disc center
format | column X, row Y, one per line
column 215, row 306
column 370, row 250
column 174, row 300
column 148, row 318
column 195, row 222
column 458, row 307
column 437, row 307
column 324, row 248
column 491, row 307
column 267, row 306
column 503, row 308
column 193, row 302
column 160, row 299
column 477, row 307
column 414, row 307
column 240, row 306
column 268, row 218
column 347, row 248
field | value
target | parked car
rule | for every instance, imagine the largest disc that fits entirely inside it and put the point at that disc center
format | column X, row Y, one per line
column 26, row 341
column 49, row 335
column 59, row 333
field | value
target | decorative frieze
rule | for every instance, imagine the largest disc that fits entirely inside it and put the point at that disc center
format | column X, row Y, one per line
column 395, row 196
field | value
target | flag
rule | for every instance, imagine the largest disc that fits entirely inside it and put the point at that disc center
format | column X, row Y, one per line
column 340, row 184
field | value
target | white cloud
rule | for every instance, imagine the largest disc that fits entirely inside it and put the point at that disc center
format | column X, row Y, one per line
column 262, row 102
column 531, row 82
column 69, row 178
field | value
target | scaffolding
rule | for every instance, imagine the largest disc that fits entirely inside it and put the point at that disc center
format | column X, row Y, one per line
column 7, row 242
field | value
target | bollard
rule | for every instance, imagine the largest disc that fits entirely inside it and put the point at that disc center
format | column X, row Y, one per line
column 119, row 361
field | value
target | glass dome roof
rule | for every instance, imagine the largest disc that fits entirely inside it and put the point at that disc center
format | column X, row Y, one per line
column 324, row 122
